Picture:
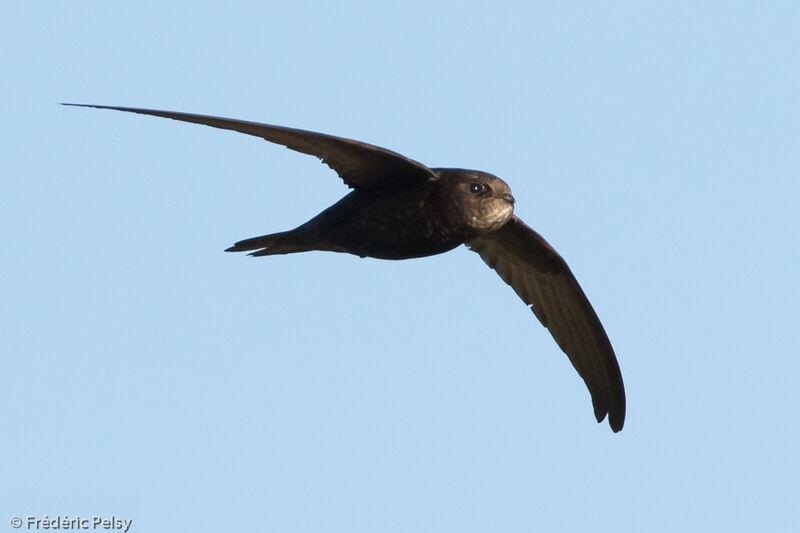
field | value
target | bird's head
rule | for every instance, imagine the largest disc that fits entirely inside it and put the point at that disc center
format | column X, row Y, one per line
column 476, row 200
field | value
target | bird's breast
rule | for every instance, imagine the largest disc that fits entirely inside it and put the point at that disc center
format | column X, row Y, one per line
column 401, row 225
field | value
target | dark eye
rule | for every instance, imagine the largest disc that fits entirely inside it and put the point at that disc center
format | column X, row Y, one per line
column 476, row 188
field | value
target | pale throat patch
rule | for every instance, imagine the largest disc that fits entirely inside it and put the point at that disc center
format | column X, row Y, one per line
column 492, row 219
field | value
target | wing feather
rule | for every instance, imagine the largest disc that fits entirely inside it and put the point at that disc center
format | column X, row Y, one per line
column 358, row 164
column 542, row 279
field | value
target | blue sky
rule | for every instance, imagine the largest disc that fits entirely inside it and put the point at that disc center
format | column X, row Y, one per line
column 150, row 376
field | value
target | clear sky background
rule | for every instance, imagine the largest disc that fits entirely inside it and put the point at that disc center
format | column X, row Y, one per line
column 150, row 376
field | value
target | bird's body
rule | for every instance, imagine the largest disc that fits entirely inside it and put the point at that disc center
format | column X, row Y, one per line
column 400, row 223
column 401, row 209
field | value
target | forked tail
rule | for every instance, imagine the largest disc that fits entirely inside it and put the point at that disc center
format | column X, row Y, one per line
column 276, row 243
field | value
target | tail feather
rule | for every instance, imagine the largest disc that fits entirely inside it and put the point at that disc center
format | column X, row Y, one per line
column 276, row 243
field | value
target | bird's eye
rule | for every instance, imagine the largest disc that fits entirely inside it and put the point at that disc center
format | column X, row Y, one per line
column 476, row 188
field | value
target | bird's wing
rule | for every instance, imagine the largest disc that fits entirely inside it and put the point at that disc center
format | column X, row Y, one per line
column 543, row 280
column 360, row 165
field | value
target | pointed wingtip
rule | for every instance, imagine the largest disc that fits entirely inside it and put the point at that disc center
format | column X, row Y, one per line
column 616, row 419
column 96, row 106
column 616, row 416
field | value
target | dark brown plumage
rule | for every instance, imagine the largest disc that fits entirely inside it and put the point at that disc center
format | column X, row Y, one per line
column 400, row 209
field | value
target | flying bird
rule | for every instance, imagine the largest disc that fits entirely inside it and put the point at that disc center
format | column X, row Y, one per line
column 400, row 209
